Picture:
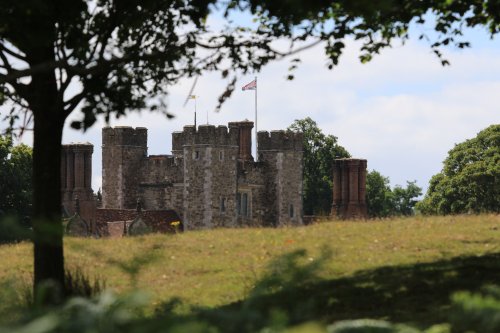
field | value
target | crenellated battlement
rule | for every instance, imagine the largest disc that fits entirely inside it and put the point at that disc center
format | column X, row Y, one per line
column 205, row 135
column 125, row 136
column 211, row 178
column 280, row 140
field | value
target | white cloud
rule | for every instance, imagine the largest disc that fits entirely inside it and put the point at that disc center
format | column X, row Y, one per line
column 403, row 111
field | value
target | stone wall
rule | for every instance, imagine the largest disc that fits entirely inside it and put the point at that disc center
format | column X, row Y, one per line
column 161, row 182
column 252, row 181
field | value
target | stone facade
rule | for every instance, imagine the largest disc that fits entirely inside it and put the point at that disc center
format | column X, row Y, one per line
column 349, row 188
column 211, row 178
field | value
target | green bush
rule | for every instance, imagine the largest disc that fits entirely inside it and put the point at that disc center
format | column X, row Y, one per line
column 476, row 312
column 13, row 230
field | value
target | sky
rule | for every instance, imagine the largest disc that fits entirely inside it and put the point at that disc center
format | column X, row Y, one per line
column 402, row 111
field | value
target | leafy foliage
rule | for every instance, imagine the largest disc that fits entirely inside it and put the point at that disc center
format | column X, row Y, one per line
column 383, row 201
column 470, row 179
column 15, row 177
column 379, row 197
column 476, row 312
column 405, row 198
column 319, row 152
column 15, row 190
column 123, row 53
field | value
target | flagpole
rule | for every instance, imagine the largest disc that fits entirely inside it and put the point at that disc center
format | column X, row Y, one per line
column 256, row 139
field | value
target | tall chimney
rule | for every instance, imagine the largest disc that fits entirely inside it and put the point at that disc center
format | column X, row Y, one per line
column 349, row 188
column 244, row 139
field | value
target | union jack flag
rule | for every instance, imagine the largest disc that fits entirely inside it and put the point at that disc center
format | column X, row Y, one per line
column 250, row 86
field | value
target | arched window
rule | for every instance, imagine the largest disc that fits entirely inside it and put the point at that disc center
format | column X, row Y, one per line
column 243, row 203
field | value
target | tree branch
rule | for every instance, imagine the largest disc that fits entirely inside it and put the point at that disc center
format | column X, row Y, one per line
column 21, row 89
column 72, row 103
column 82, row 71
column 297, row 50
column 12, row 53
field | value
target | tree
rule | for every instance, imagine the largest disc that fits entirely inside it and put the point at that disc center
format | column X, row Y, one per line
column 15, row 189
column 379, row 197
column 470, row 179
column 109, row 57
column 15, row 177
column 319, row 152
column 405, row 198
column 382, row 201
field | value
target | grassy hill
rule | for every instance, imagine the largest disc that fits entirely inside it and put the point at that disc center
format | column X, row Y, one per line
column 402, row 269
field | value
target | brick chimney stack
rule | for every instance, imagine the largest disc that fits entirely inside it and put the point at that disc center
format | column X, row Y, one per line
column 349, row 188
column 76, row 180
column 245, row 139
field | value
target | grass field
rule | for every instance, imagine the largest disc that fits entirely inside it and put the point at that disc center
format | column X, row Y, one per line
column 403, row 269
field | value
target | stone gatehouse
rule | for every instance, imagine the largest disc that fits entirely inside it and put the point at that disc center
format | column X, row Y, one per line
column 210, row 180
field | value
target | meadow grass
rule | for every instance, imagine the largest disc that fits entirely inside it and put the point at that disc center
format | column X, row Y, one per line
column 398, row 269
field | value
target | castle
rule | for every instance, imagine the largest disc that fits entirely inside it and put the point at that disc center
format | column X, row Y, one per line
column 210, row 180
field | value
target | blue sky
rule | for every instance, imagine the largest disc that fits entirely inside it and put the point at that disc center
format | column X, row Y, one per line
column 402, row 111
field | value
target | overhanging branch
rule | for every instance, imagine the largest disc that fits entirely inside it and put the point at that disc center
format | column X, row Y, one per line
column 72, row 103
column 12, row 53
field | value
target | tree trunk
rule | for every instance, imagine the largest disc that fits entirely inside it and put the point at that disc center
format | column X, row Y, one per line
column 47, row 224
column 46, row 105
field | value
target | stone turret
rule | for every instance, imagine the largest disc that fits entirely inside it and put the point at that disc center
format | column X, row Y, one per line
column 123, row 149
column 209, row 156
column 349, row 188
column 282, row 153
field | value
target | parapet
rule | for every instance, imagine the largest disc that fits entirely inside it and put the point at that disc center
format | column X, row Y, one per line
column 125, row 136
column 206, row 134
column 280, row 140
column 164, row 160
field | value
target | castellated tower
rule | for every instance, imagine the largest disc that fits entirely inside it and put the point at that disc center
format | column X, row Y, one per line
column 123, row 149
column 209, row 156
column 211, row 178
column 282, row 155
column 76, row 180
column 349, row 188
